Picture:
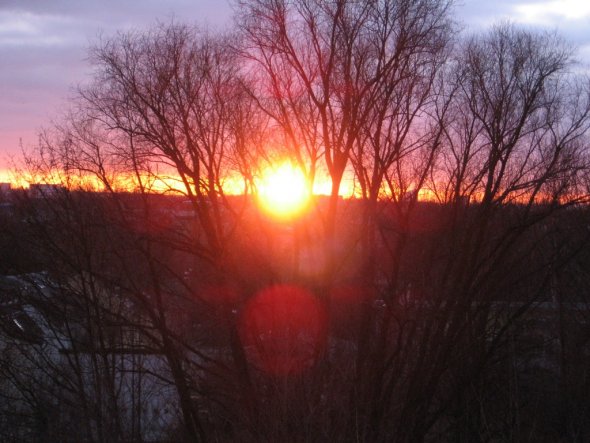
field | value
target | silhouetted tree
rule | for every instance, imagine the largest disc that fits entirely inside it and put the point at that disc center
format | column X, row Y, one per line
column 472, row 162
column 324, row 72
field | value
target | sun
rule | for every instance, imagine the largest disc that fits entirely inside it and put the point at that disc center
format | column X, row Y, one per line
column 283, row 191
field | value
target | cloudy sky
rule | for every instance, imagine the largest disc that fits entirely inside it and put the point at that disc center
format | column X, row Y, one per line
column 43, row 45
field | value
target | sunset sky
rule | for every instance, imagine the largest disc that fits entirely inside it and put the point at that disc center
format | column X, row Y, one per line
column 43, row 45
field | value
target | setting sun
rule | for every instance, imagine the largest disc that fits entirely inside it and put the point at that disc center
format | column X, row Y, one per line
column 283, row 191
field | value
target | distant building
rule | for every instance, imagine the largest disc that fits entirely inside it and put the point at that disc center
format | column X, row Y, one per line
column 37, row 341
column 6, row 206
column 43, row 190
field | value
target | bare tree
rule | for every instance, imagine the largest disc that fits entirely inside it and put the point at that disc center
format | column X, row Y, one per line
column 166, row 113
column 513, row 143
column 325, row 66
column 171, row 106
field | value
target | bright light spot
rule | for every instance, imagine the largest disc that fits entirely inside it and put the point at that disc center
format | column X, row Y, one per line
column 548, row 11
column 283, row 191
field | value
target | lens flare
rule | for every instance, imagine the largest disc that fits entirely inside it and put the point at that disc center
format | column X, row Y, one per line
column 283, row 330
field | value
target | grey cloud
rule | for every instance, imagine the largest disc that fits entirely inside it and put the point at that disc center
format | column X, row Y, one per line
column 43, row 46
column 25, row 29
column 113, row 13
column 477, row 14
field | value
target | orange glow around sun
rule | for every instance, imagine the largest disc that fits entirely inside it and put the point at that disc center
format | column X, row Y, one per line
column 283, row 191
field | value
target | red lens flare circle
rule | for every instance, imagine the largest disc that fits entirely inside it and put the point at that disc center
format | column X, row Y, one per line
column 283, row 329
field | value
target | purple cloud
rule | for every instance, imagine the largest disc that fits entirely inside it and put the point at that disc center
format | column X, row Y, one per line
column 43, row 44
